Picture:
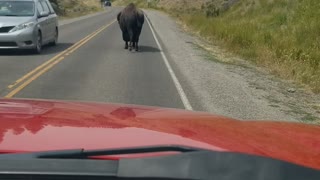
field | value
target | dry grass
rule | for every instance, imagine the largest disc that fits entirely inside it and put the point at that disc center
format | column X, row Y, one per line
column 73, row 8
column 139, row 3
column 164, row 4
column 180, row 4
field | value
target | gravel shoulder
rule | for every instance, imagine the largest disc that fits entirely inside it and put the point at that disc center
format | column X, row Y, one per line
column 225, row 85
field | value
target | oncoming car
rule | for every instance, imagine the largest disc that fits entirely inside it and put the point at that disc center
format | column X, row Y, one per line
column 107, row 3
column 27, row 24
column 41, row 139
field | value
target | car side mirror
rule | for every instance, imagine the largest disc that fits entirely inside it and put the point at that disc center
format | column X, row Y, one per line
column 43, row 14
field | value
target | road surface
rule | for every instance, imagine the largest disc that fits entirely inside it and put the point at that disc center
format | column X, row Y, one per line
column 93, row 69
column 91, row 64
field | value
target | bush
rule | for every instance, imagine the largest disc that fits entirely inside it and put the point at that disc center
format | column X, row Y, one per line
column 58, row 8
column 211, row 9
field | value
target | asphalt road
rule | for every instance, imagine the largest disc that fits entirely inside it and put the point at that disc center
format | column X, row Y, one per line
column 90, row 64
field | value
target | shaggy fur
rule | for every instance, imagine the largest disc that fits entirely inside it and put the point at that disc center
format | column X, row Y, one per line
column 131, row 20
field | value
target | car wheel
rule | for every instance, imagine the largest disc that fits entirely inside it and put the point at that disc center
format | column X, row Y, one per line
column 56, row 37
column 38, row 47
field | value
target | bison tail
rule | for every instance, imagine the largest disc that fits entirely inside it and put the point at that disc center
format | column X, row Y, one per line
column 118, row 16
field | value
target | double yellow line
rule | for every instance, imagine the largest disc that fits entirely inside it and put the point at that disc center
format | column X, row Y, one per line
column 25, row 80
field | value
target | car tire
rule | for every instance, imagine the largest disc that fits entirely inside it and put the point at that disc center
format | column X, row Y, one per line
column 56, row 37
column 38, row 46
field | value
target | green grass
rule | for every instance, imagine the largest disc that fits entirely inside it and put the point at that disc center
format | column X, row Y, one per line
column 310, row 118
column 281, row 35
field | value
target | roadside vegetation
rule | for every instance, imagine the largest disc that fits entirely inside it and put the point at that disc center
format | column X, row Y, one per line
column 281, row 35
column 74, row 8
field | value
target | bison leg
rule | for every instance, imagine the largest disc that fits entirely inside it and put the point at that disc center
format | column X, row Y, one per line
column 136, row 40
column 131, row 35
column 126, row 38
column 130, row 46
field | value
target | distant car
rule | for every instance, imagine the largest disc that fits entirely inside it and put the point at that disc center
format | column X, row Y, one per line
column 27, row 24
column 107, row 3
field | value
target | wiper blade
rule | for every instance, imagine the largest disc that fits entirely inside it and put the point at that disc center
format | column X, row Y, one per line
column 205, row 165
column 43, row 154
column 10, row 15
column 83, row 154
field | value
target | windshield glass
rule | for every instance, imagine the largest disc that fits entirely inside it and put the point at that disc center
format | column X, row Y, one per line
column 16, row 8
column 223, row 75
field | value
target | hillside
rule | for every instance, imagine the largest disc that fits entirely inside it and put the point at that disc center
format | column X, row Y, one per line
column 280, row 35
column 70, row 8
column 179, row 4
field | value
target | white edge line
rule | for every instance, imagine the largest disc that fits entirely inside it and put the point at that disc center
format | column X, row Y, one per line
column 176, row 82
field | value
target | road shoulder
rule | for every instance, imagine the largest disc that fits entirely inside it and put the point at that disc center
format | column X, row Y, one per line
column 236, row 90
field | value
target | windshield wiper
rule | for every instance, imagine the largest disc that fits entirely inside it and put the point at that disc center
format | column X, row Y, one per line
column 10, row 15
column 192, row 165
column 17, row 15
column 83, row 154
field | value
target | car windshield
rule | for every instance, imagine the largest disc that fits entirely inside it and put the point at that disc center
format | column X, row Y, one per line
column 223, row 75
column 17, row 8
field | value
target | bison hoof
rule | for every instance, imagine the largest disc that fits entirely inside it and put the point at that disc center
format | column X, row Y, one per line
column 126, row 47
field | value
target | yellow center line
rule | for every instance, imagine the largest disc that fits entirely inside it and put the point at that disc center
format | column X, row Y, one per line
column 66, row 52
column 23, row 85
column 88, row 39
column 51, row 63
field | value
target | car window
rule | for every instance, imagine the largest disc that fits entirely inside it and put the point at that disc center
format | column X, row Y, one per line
column 16, row 8
column 50, row 7
column 45, row 6
column 39, row 7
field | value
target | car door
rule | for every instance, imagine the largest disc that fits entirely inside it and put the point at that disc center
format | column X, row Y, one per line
column 43, row 22
column 52, row 19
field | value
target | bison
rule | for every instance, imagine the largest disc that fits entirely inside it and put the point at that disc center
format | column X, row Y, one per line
column 131, row 20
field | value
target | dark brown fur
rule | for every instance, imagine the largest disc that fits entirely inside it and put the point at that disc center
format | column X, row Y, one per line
column 131, row 20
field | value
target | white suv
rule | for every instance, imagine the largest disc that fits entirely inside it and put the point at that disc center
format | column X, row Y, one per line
column 27, row 24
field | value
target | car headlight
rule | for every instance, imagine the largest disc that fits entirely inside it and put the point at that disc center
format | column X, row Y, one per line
column 22, row 26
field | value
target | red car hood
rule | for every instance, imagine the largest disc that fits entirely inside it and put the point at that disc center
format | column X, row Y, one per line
column 34, row 125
